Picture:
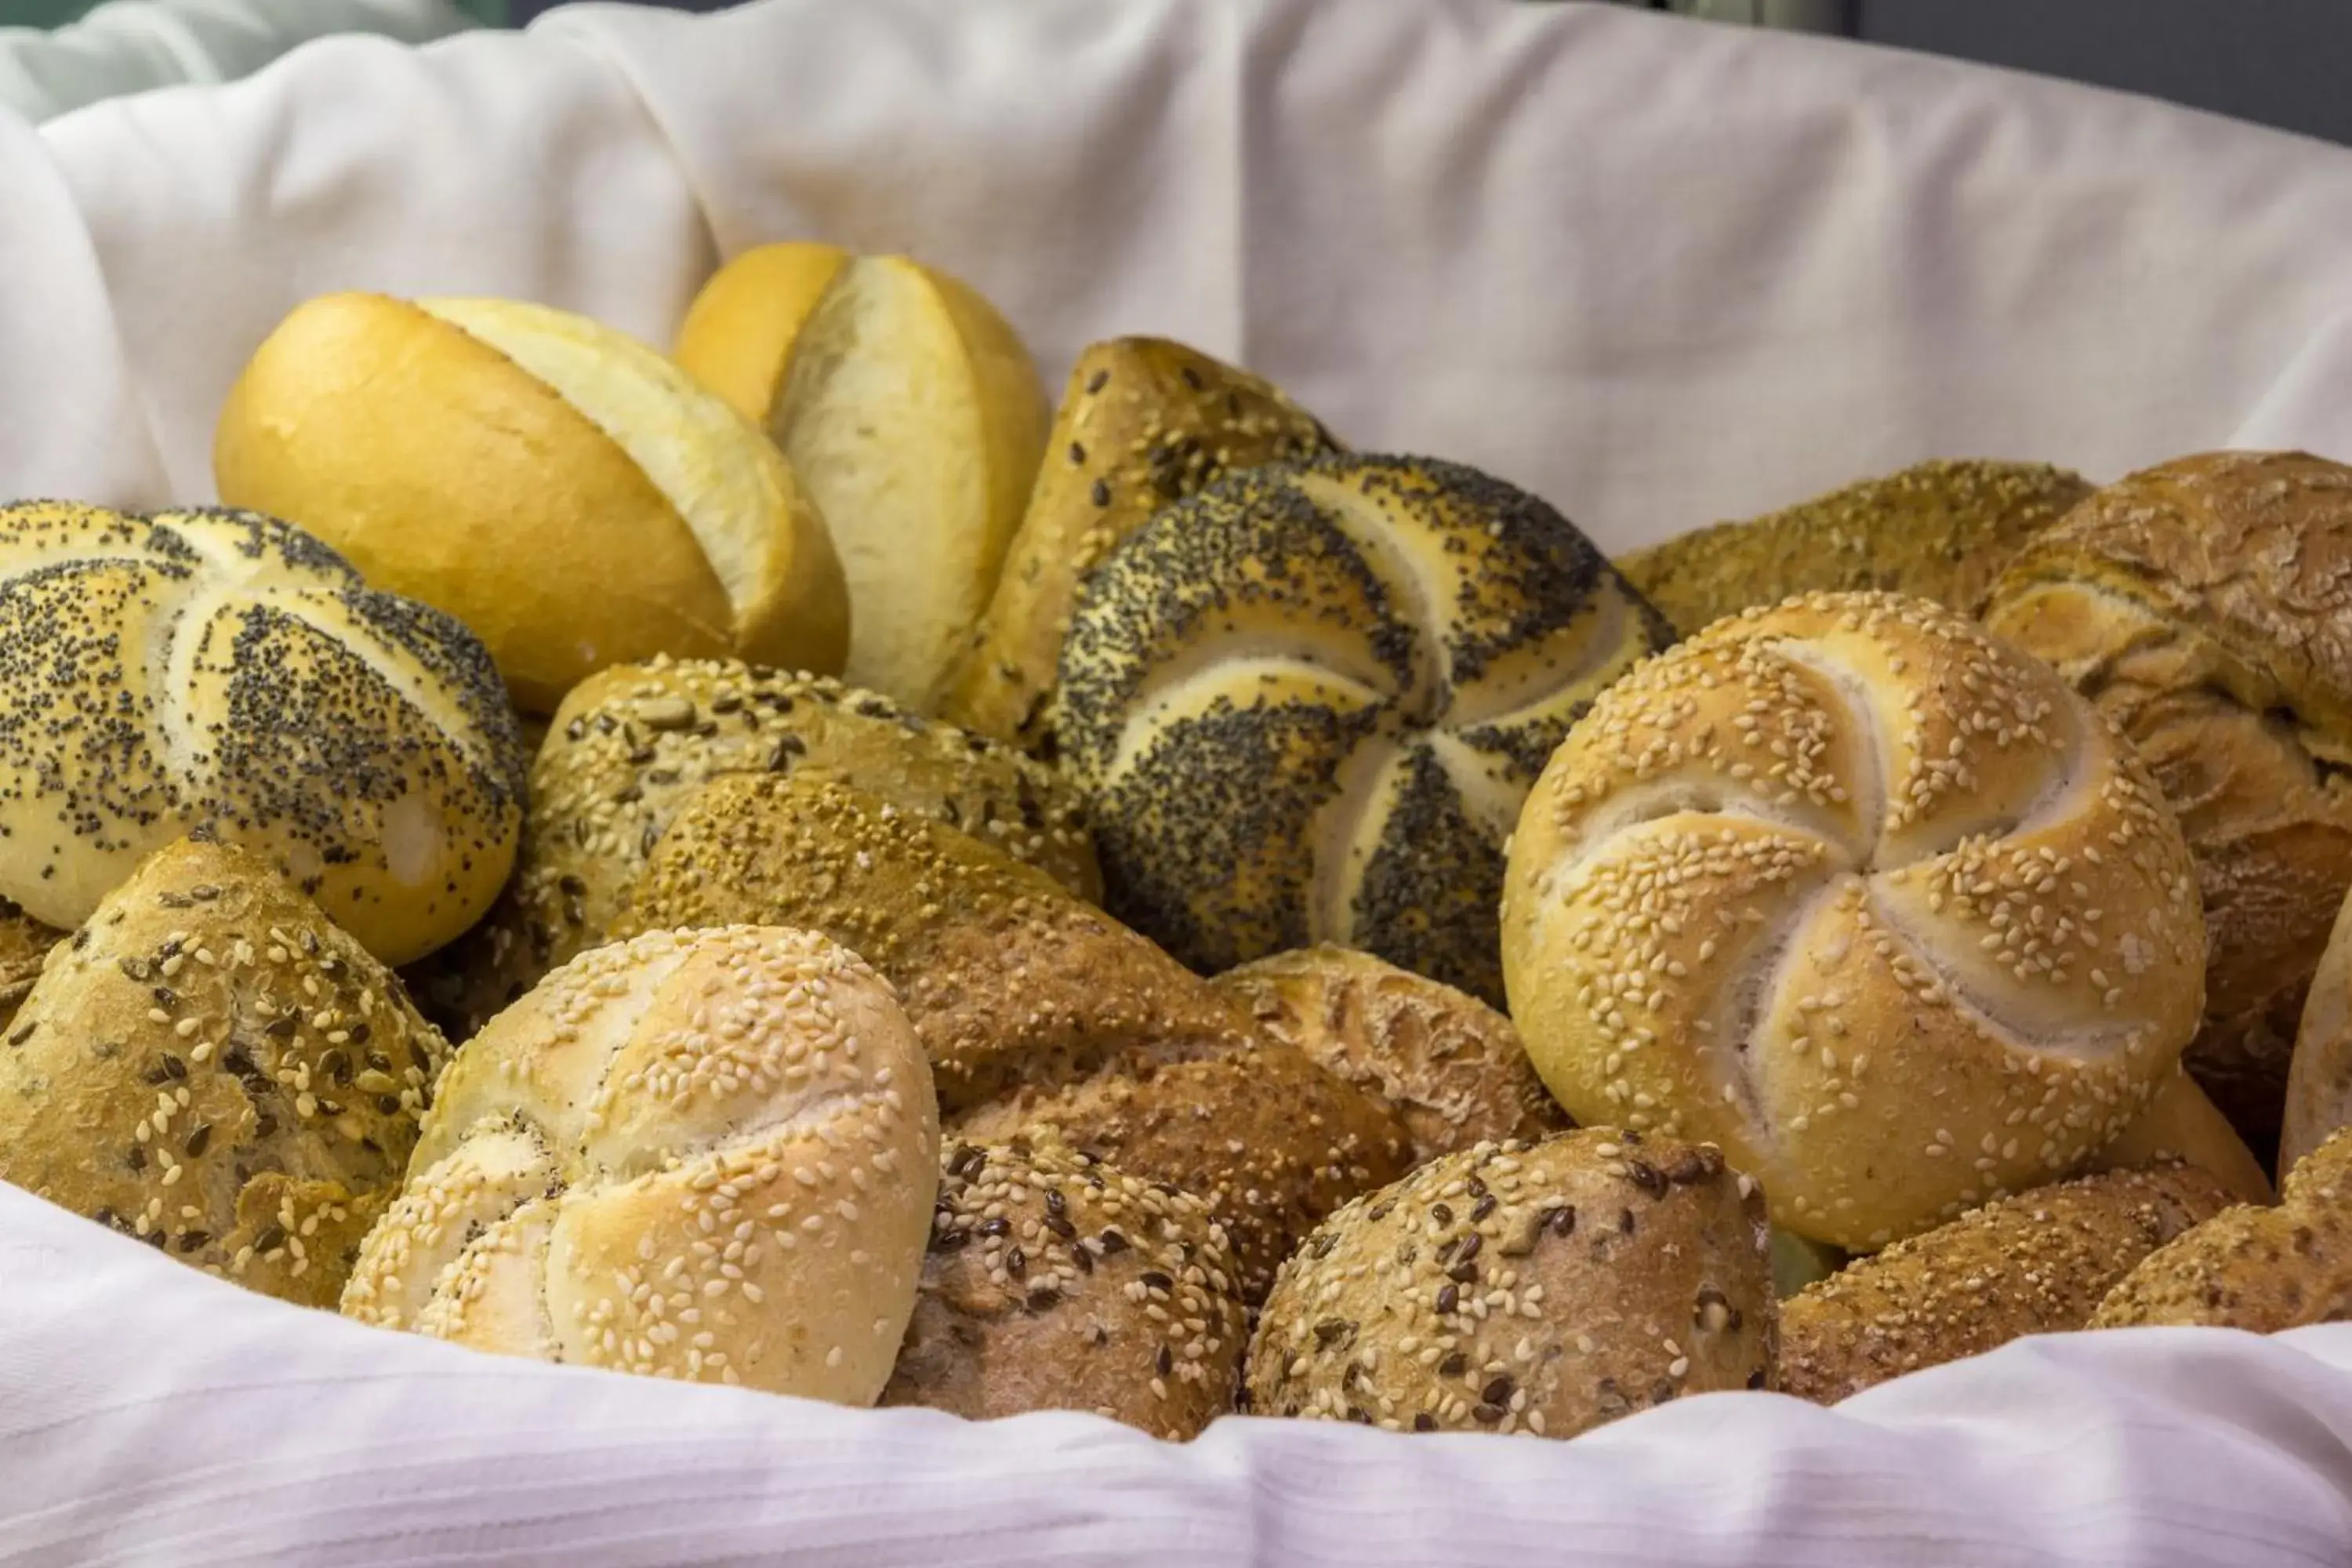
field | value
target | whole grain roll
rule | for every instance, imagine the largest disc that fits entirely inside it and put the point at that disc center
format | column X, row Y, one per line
column 2205, row 605
column 1543, row 1288
column 2038, row 1263
column 1056, row 1283
column 704, row 1156
column 211, row 1066
column 25, row 944
column 1864, row 895
column 1307, row 703
column 220, row 672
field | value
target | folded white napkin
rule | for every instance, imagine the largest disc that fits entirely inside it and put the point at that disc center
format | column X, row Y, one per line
column 1658, row 272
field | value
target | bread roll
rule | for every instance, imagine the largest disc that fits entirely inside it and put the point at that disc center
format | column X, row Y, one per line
column 2038, row 1263
column 1867, row 897
column 1938, row 531
column 738, row 335
column 1451, row 1067
column 632, row 745
column 1056, row 1282
column 1144, row 422
column 1036, row 1007
column 2262, row 1270
column 1543, row 1288
column 572, row 496
column 1307, row 703
column 212, row 1066
column 2182, row 1124
column 25, row 943
column 213, row 671
column 702, row 1155
column 2206, row 607
column 2319, row 1074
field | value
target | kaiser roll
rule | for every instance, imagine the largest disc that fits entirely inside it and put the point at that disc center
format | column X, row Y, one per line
column 1542, row 1288
column 1864, row 895
column 2206, row 607
column 1307, row 703
column 221, row 673
column 2183, row 1125
column 705, row 1155
column 211, row 1066
column 568, row 493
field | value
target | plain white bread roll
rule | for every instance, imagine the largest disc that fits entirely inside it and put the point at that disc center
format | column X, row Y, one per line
column 707, row 1155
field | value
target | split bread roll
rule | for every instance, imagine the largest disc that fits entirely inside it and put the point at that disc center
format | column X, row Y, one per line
column 2038, row 1263
column 1144, row 422
column 2183, row 1125
column 738, row 335
column 211, row 1066
column 1056, row 1283
column 1864, row 895
column 1306, row 704
column 1542, row 1288
column 702, row 1155
column 1938, row 531
column 572, row 496
column 2319, row 1074
column 1034, row 1007
column 25, row 944
column 221, row 673
column 2206, row 607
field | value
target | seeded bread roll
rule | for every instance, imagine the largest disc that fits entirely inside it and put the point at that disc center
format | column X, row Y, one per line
column 1451, row 1067
column 25, row 943
column 221, row 673
column 211, row 1066
column 2206, row 607
column 1056, row 1282
column 572, row 496
column 2319, row 1075
column 2038, row 1263
column 2183, row 1125
column 1864, row 895
column 1144, row 423
column 1938, row 531
column 2260, row 1270
column 1034, row 1007
column 1307, row 703
column 1543, row 1288
column 705, row 1155
column 632, row 745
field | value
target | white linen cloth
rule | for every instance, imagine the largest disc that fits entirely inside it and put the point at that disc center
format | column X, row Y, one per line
column 1659, row 273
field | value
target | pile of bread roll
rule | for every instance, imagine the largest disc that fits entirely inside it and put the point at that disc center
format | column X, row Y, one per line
column 795, row 862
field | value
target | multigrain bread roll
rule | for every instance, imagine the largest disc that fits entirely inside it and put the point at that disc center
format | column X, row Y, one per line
column 221, row 673
column 632, row 745
column 2038, row 1263
column 25, row 943
column 1144, row 422
column 211, row 1066
column 1307, row 703
column 1036, row 1008
column 2319, row 1074
column 572, row 496
column 2183, row 1125
column 1056, row 1283
column 2206, row 607
column 1543, row 1288
column 703, row 1155
column 1938, row 531
column 1864, row 895
column 1451, row 1067
column 738, row 335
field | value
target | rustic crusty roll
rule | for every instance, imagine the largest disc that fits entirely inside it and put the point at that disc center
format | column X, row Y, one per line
column 632, row 745
column 2262, row 1270
column 1056, row 1283
column 2181, row 1124
column 1542, row 1288
column 1307, row 703
column 223, row 672
column 2206, row 607
column 1938, row 531
column 738, row 335
column 705, row 1155
column 2319, row 1074
column 1864, row 895
column 1144, row 422
column 25, row 943
column 2038, row 1263
column 1036, row 1007
column 212, row 1066
column 572, row 496
column 1451, row 1067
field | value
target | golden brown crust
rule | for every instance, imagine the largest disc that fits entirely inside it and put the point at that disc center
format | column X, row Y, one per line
column 2037, row 1263
column 25, row 944
column 1517, row 1287
column 1040, row 1287
column 2183, row 1125
column 2319, row 1077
